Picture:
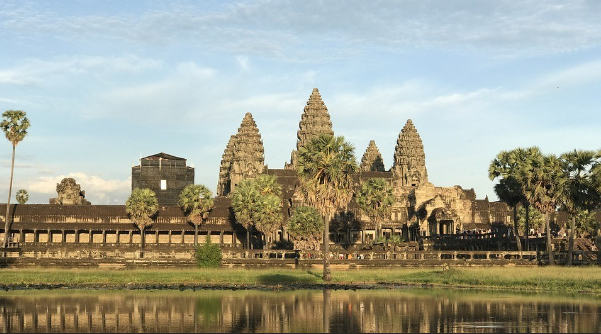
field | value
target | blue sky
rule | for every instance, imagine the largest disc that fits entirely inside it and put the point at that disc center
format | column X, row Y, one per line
column 104, row 83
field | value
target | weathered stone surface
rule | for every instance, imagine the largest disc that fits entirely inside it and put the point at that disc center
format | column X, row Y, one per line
column 227, row 159
column 69, row 193
column 243, row 158
column 409, row 158
column 165, row 174
column 372, row 159
column 315, row 121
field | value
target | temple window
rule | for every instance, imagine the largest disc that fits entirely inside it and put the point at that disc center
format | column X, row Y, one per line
column 163, row 184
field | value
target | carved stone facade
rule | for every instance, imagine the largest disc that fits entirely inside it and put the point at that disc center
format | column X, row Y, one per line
column 165, row 174
column 69, row 193
column 243, row 158
column 409, row 158
column 372, row 159
column 315, row 121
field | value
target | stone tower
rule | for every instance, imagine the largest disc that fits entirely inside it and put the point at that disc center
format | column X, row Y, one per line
column 243, row 158
column 223, row 187
column 165, row 174
column 409, row 167
column 372, row 159
column 69, row 193
column 315, row 120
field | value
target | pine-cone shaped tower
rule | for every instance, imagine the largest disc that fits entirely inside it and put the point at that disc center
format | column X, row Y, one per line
column 243, row 158
column 315, row 121
column 372, row 159
column 409, row 158
column 223, row 186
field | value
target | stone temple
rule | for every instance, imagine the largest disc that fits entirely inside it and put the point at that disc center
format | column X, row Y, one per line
column 420, row 208
column 68, row 229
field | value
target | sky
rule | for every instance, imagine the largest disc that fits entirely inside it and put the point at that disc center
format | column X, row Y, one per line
column 105, row 83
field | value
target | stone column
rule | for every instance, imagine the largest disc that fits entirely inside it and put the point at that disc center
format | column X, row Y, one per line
column 76, row 236
column 157, row 237
column 63, row 239
column 221, row 238
column 117, row 237
column 169, row 241
column 49, row 238
column 103, row 236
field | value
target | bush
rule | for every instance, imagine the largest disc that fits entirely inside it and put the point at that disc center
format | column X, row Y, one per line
column 208, row 255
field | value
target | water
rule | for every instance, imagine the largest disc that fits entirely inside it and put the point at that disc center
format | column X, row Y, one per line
column 399, row 310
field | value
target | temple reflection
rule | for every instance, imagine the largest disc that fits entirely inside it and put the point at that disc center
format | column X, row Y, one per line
column 398, row 311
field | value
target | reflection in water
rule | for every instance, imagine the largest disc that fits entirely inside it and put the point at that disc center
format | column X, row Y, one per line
column 402, row 311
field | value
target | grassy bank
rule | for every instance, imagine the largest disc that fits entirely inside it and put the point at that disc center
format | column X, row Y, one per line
column 574, row 279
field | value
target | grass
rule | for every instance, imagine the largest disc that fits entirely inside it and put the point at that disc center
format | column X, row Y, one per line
column 569, row 279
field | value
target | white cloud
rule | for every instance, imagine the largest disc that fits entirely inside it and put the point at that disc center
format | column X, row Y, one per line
column 98, row 190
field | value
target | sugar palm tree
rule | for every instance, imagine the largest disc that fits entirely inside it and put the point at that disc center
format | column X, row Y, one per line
column 197, row 202
column 142, row 205
column 243, row 203
column 581, row 191
column 544, row 181
column 325, row 167
column 507, row 167
column 375, row 199
column 15, row 125
column 305, row 227
column 258, row 203
column 22, row 196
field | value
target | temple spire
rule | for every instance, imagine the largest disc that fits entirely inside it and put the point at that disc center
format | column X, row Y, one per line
column 409, row 158
column 315, row 121
column 243, row 158
column 372, row 159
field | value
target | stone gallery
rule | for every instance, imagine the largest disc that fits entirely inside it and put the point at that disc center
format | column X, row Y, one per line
column 420, row 210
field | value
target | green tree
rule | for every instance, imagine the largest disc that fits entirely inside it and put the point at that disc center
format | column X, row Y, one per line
column 22, row 196
column 258, row 203
column 580, row 191
column 305, row 227
column 208, row 255
column 507, row 167
column 544, row 182
column 142, row 205
column 268, row 216
column 375, row 199
column 325, row 168
column 535, row 219
column 197, row 202
column 15, row 125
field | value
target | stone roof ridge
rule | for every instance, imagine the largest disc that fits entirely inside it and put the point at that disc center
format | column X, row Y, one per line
column 372, row 159
column 162, row 155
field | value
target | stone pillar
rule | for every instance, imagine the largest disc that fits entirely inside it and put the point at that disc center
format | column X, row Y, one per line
column 103, row 236
column 221, row 238
column 157, row 237
column 76, row 236
column 63, row 239
column 21, row 236
column 49, row 238
column 131, row 237
column 36, row 238
column 169, row 239
column 117, row 237
column 183, row 236
column 90, row 236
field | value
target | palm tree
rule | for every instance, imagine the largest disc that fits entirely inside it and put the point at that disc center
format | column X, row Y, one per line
column 375, row 199
column 581, row 192
column 258, row 203
column 508, row 166
column 544, row 181
column 197, row 202
column 15, row 125
column 305, row 227
column 243, row 203
column 325, row 168
column 22, row 196
column 142, row 205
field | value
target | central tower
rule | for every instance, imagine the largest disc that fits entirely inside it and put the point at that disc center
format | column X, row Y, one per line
column 315, row 121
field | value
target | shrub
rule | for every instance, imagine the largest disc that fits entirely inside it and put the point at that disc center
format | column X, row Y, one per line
column 208, row 255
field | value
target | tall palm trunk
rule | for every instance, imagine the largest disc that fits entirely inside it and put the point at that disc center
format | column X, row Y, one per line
column 571, row 241
column 195, row 235
column 327, row 273
column 515, row 228
column 7, row 222
column 527, row 227
column 549, row 240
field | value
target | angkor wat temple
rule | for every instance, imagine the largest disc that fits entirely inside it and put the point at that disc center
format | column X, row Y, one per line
column 421, row 209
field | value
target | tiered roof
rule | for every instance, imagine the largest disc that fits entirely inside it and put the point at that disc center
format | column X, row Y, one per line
column 372, row 159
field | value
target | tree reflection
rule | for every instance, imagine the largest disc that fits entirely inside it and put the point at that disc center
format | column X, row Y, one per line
column 400, row 311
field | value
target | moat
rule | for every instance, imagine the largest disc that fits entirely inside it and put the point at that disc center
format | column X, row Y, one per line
column 386, row 310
